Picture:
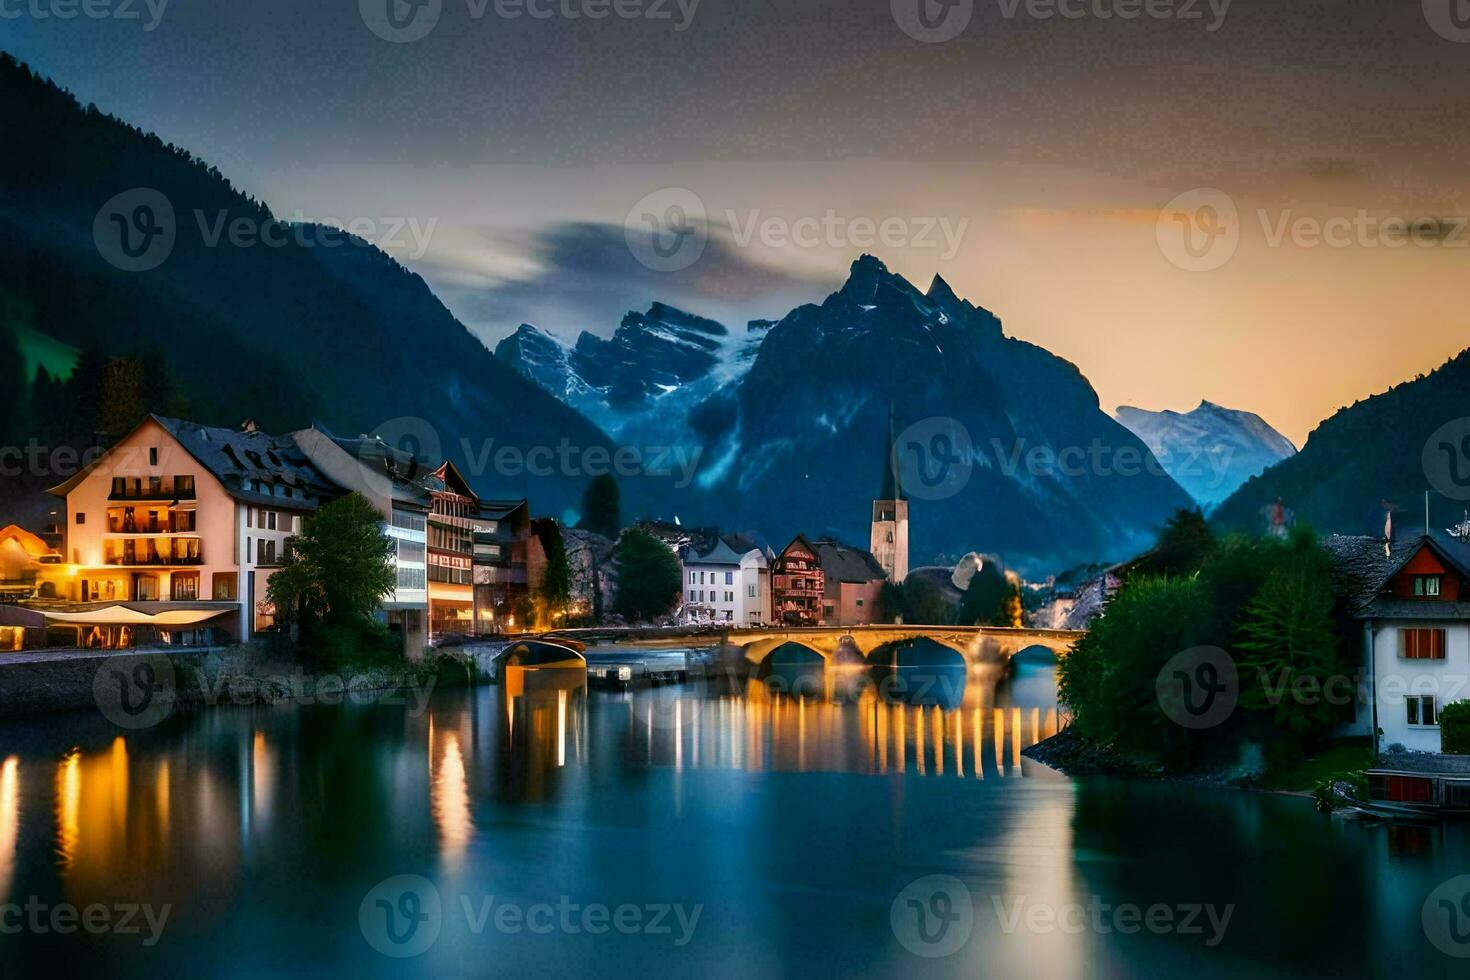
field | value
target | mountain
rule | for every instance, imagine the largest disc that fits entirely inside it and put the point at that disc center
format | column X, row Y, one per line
column 656, row 367
column 1004, row 447
column 291, row 323
column 1391, row 447
column 1210, row 451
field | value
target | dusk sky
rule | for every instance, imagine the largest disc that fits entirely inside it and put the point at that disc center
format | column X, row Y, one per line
column 1030, row 160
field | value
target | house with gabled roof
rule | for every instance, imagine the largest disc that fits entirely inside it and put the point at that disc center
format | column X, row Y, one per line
column 727, row 581
column 1413, row 598
column 173, row 533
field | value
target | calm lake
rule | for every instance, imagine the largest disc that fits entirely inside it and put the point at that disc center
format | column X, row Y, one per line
column 704, row 829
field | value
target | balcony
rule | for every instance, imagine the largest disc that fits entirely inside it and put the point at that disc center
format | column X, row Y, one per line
column 152, row 488
column 155, row 553
column 129, row 520
column 451, row 576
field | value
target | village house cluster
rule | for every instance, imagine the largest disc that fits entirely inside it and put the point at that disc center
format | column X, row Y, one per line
column 170, row 537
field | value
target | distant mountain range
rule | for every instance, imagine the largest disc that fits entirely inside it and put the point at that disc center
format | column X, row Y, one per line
column 1210, row 451
column 791, row 420
column 653, row 360
column 285, row 332
column 1392, row 447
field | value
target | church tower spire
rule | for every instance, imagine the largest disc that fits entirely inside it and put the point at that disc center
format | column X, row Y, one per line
column 889, row 541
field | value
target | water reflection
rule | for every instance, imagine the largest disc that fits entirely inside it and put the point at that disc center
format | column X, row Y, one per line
column 9, row 821
column 803, row 717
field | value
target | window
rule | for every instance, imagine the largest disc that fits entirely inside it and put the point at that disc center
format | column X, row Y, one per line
column 729, row 616
column 1427, row 585
column 750, row 592
column 248, row 551
column 691, row 595
column 295, row 523
column 1421, row 644
column 691, row 578
column 729, row 597
column 1422, row 711
column 185, row 586
column 249, row 516
column 81, row 518
column 729, row 578
column 860, row 603
column 271, row 517
column 152, row 455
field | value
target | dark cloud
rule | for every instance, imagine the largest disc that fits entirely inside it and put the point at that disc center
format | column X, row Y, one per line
column 588, row 278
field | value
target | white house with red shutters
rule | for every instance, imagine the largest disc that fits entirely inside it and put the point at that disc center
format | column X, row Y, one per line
column 1413, row 599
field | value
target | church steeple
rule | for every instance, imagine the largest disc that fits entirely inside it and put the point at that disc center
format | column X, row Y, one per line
column 889, row 541
column 892, row 488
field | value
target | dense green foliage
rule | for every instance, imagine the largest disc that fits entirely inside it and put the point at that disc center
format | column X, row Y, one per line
column 556, row 587
column 1454, row 728
column 649, row 577
column 1268, row 605
column 333, row 577
column 602, row 507
column 1183, row 546
column 987, row 592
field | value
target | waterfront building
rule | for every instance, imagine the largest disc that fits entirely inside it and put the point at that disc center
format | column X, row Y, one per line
column 852, row 583
column 797, row 585
column 725, row 583
column 388, row 479
column 1412, row 599
column 477, row 557
column 173, row 533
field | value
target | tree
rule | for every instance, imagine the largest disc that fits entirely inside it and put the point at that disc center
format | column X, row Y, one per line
column 1289, row 647
column 649, row 577
column 1109, row 679
column 1183, row 547
column 13, row 390
column 556, row 588
column 984, row 596
column 602, row 507
column 337, row 570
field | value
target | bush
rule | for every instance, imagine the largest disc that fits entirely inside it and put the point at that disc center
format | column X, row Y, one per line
column 1454, row 728
column 355, row 643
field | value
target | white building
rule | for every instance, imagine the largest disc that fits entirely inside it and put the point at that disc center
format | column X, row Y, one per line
column 723, row 585
column 1416, row 631
column 387, row 478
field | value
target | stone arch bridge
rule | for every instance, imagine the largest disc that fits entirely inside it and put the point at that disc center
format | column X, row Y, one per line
column 977, row 644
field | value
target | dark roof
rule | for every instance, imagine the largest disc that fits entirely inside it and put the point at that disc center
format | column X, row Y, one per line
column 240, row 459
column 1364, row 568
column 847, row 564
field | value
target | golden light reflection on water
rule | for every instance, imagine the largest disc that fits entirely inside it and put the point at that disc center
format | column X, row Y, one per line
column 9, row 822
column 760, row 729
column 449, row 798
